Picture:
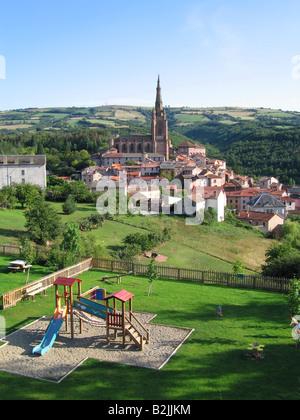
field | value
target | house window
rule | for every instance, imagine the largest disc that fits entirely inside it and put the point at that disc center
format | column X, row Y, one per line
column 23, row 172
column 23, row 181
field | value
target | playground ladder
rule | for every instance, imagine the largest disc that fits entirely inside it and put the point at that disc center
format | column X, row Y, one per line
column 135, row 334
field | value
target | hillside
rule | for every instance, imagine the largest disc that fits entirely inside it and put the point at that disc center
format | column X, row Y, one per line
column 214, row 247
column 254, row 142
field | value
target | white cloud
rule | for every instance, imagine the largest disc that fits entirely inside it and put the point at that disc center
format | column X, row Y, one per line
column 214, row 32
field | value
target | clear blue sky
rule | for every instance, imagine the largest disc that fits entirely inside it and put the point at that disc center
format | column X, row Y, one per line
column 95, row 52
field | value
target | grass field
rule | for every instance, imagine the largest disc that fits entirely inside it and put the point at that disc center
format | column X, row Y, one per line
column 211, row 365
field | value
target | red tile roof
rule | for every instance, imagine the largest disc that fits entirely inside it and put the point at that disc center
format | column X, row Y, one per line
column 121, row 295
column 65, row 281
column 257, row 216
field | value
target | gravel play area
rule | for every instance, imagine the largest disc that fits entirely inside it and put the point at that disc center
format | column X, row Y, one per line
column 66, row 355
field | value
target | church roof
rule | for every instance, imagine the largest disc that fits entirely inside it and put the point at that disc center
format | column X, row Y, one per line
column 265, row 200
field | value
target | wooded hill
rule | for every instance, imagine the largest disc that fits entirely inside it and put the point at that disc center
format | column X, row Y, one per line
column 254, row 142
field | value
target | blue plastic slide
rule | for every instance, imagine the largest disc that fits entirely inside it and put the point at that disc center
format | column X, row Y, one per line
column 51, row 332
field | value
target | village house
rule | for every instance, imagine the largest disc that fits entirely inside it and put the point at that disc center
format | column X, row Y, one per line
column 266, row 182
column 266, row 203
column 90, row 175
column 200, row 160
column 149, row 169
column 295, row 194
column 23, row 169
column 238, row 200
column 109, row 159
column 266, row 222
column 190, row 149
column 215, row 180
column 217, row 163
column 290, row 204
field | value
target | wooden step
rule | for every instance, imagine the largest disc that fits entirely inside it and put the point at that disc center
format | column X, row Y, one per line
column 136, row 337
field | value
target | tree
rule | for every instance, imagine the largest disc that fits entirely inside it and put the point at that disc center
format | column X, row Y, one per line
column 210, row 216
column 80, row 191
column 70, row 244
column 238, row 267
column 282, row 260
column 26, row 192
column 69, row 206
column 42, row 221
column 152, row 275
column 294, row 297
column 71, row 239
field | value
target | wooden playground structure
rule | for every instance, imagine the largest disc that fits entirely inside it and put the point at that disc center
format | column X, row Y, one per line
column 88, row 309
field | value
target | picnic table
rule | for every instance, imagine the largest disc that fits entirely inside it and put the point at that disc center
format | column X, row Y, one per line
column 18, row 265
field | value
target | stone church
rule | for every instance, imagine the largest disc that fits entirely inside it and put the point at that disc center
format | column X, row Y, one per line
column 158, row 142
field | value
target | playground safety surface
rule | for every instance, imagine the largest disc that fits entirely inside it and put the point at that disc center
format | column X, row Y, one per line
column 66, row 355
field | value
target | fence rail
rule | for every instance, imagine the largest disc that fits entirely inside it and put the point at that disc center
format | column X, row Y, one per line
column 12, row 297
column 208, row 277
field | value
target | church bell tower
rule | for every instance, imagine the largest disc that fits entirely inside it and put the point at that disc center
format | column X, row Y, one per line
column 160, row 126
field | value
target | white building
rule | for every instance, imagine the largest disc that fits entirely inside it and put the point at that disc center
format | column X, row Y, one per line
column 215, row 198
column 23, row 169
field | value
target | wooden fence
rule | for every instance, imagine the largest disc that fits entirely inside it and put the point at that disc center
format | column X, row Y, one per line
column 10, row 250
column 208, row 277
column 11, row 298
column 282, row 285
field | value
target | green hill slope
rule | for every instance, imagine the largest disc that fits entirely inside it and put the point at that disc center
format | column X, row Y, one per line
column 254, row 142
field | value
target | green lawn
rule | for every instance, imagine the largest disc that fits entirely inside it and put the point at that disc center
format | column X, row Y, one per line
column 211, row 364
column 11, row 225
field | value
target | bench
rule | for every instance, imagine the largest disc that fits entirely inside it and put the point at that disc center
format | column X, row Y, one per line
column 16, row 268
column 13, row 268
column 35, row 289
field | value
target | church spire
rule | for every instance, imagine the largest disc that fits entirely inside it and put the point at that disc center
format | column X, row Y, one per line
column 158, row 103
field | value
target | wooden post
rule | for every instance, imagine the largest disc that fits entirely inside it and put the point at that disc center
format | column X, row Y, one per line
column 123, row 322
column 56, row 298
column 130, row 309
column 66, row 320
column 107, row 322
column 79, row 294
column 115, row 311
column 71, row 312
